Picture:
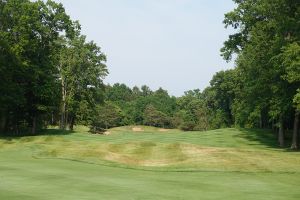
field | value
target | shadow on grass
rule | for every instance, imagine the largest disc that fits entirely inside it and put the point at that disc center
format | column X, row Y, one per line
column 265, row 137
column 55, row 132
column 259, row 137
column 9, row 136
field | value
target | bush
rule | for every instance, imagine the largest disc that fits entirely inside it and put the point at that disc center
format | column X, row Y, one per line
column 187, row 126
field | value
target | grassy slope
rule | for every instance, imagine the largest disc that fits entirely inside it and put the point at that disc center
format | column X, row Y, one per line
column 221, row 164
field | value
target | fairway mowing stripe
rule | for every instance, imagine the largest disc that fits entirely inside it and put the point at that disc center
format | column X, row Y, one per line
column 116, row 165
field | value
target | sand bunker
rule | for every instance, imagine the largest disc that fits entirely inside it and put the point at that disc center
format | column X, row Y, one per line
column 106, row 133
column 163, row 130
column 137, row 129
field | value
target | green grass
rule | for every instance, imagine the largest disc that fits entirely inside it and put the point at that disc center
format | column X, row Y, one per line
column 151, row 164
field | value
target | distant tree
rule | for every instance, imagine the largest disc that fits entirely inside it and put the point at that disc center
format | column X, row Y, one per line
column 223, row 83
column 106, row 116
column 119, row 93
column 192, row 111
column 153, row 117
column 146, row 90
column 136, row 92
column 185, row 120
column 133, row 102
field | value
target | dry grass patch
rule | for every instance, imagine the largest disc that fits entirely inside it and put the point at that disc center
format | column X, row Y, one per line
column 155, row 163
column 196, row 151
column 149, row 151
column 121, row 158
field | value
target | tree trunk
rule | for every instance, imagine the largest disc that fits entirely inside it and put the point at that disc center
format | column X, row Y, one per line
column 295, row 131
column 281, row 132
column 33, row 128
column 16, row 129
column 67, row 122
column 72, row 120
column 63, row 106
column 273, row 125
column 2, row 123
column 52, row 118
column 261, row 121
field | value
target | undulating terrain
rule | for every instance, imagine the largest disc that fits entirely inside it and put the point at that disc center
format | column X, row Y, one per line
column 148, row 163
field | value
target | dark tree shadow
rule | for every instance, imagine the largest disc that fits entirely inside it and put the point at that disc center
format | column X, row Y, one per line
column 55, row 132
column 260, row 136
column 10, row 136
column 265, row 137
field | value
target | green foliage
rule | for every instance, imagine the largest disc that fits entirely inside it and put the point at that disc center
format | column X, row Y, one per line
column 291, row 61
column 136, row 105
column 119, row 93
column 81, row 71
column 28, row 33
column 193, row 111
column 296, row 100
column 153, row 117
column 267, row 48
column 45, row 62
column 105, row 116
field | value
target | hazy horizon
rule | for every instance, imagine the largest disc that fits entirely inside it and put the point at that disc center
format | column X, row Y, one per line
column 170, row 44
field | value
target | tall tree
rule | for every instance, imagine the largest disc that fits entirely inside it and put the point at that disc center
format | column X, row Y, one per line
column 290, row 59
column 81, row 71
column 28, row 33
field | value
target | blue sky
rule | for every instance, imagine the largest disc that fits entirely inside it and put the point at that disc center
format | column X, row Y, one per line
column 172, row 44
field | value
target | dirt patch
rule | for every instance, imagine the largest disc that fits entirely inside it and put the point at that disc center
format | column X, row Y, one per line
column 137, row 129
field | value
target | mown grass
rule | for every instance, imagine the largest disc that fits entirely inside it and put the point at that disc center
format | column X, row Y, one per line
column 148, row 164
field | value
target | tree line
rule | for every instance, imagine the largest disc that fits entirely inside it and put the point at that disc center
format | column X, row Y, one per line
column 195, row 110
column 50, row 74
column 266, row 91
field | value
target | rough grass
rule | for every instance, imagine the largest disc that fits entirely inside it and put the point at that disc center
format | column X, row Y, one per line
column 153, row 164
